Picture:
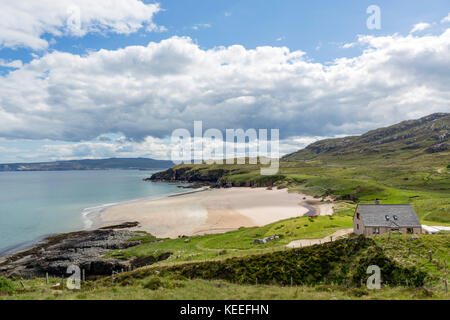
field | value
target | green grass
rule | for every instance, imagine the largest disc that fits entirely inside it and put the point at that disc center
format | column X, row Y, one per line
column 171, row 289
column 415, row 252
column 239, row 242
column 146, row 283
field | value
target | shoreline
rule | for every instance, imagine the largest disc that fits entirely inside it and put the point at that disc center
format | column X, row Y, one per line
column 91, row 218
column 306, row 206
column 212, row 211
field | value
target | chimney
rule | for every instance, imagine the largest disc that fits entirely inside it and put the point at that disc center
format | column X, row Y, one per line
column 377, row 201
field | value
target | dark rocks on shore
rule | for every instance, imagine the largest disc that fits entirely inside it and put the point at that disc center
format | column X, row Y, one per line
column 85, row 249
column 185, row 174
column 213, row 178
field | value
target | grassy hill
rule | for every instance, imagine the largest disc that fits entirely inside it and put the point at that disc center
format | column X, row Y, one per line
column 400, row 142
column 94, row 164
column 330, row 271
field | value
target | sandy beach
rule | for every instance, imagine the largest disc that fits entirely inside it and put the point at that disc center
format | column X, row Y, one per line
column 214, row 211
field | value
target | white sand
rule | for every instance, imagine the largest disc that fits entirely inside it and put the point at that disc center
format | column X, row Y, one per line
column 213, row 211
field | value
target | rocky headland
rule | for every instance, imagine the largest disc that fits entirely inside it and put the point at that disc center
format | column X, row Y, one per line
column 85, row 249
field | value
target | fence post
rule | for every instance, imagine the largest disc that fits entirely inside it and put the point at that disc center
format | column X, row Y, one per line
column 46, row 278
column 431, row 255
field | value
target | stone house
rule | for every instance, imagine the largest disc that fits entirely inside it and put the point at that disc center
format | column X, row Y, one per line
column 373, row 219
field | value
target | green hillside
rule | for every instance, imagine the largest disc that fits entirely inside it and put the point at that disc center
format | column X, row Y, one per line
column 400, row 142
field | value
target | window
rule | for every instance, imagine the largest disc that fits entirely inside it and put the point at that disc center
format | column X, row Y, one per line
column 376, row 230
column 357, row 215
column 410, row 230
column 357, row 226
column 395, row 218
column 386, row 217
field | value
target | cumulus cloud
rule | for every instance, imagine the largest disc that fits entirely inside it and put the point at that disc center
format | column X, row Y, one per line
column 11, row 64
column 446, row 19
column 348, row 45
column 152, row 148
column 420, row 27
column 23, row 23
column 149, row 147
column 143, row 91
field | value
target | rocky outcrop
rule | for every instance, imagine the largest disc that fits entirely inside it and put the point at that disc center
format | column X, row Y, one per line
column 439, row 148
column 85, row 249
column 187, row 174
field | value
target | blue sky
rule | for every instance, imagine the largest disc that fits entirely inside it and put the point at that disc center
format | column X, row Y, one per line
column 317, row 28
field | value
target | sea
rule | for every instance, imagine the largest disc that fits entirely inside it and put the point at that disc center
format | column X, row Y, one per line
column 34, row 205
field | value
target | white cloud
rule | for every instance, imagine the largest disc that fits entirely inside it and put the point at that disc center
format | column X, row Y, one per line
column 143, row 91
column 446, row 19
column 23, row 23
column 150, row 147
column 420, row 27
column 201, row 25
column 348, row 45
column 11, row 64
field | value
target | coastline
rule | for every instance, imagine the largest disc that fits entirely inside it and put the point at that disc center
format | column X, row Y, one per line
column 91, row 219
column 213, row 211
column 219, row 218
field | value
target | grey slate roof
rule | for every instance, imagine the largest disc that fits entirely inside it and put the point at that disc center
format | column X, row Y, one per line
column 374, row 215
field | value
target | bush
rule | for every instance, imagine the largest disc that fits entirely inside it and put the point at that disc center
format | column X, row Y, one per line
column 359, row 292
column 343, row 262
column 154, row 283
column 6, row 285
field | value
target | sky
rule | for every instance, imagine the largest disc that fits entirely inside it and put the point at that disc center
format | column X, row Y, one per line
column 114, row 78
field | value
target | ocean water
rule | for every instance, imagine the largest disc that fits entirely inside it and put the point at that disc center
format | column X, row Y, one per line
column 36, row 204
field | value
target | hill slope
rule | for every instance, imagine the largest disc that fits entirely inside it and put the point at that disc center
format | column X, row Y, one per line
column 428, row 135
column 98, row 164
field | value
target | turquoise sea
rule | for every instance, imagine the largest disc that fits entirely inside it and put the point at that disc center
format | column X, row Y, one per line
column 36, row 204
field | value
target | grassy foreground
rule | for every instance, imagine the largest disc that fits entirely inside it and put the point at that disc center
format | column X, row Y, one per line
column 338, row 267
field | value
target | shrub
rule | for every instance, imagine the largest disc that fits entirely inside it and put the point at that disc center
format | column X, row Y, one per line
column 359, row 292
column 154, row 283
column 343, row 262
column 6, row 285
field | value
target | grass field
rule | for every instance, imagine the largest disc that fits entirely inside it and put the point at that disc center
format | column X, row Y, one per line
column 239, row 242
column 149, row 283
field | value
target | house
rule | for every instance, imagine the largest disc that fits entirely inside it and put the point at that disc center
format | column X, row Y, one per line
column 372, row 219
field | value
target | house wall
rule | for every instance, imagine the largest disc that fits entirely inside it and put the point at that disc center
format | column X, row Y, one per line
column 359, row 222
column 368, row 231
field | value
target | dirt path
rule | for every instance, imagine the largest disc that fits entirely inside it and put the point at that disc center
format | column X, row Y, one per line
column 311, row 242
